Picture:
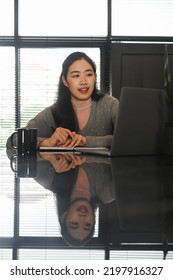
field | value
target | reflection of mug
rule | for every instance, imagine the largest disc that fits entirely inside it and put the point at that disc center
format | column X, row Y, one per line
column 25, row 139
column 24, row 165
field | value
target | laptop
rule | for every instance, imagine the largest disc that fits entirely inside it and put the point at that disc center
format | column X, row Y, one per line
column 139, row 126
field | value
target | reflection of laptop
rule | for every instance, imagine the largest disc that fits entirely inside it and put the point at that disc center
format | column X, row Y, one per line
column 139, row 125
column 139, row 194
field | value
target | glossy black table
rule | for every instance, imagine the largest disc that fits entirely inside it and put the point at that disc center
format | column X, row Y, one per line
column 132, row 198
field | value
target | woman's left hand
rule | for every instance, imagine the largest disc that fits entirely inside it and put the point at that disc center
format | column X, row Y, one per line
column 76, row 140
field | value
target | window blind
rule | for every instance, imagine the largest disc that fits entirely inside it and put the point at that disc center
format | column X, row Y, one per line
column 7, row 113
column 49, row 254
column 135, row 255
column 7, row 93
column 5, row 254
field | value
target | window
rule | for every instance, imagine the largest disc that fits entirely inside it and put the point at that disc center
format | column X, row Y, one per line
column 142, row 17
column 7, row 108
column 63, row 18
column 6, row 17
column 7, row 92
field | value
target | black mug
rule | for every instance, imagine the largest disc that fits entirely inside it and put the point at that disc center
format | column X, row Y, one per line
column 24, row 140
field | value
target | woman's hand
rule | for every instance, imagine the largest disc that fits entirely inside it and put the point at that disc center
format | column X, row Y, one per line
column 76, row 140
column 60, row 137
column 63, row 137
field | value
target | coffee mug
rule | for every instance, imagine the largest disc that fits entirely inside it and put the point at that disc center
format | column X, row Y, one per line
column 24, row 140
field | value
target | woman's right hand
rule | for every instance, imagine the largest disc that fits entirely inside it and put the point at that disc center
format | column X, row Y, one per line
column 60, row 137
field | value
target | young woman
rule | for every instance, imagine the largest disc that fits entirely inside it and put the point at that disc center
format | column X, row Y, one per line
column 81, row 115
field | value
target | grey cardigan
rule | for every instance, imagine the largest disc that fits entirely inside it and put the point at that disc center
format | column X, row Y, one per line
column 98, row 130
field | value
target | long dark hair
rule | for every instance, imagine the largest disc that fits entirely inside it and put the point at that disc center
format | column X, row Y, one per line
column 62, row 110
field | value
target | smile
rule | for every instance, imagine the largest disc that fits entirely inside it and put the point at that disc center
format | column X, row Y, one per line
column 84, row 90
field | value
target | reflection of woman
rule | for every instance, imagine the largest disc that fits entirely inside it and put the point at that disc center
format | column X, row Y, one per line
column 76, row 210
column 78, row 192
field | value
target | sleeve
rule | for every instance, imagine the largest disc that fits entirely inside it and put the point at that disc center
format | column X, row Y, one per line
column 43, row 121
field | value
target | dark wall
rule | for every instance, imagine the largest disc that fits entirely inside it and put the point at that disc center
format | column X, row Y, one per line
column 138, row 65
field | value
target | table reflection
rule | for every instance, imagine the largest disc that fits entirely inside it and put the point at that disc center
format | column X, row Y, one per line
column 79, row 183
column 132, row 196
column 144, row 201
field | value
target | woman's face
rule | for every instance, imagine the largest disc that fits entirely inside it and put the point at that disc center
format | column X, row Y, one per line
column 80, row 219
column 80, row 79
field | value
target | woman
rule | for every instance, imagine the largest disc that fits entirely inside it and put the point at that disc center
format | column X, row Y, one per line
column 81, row 115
